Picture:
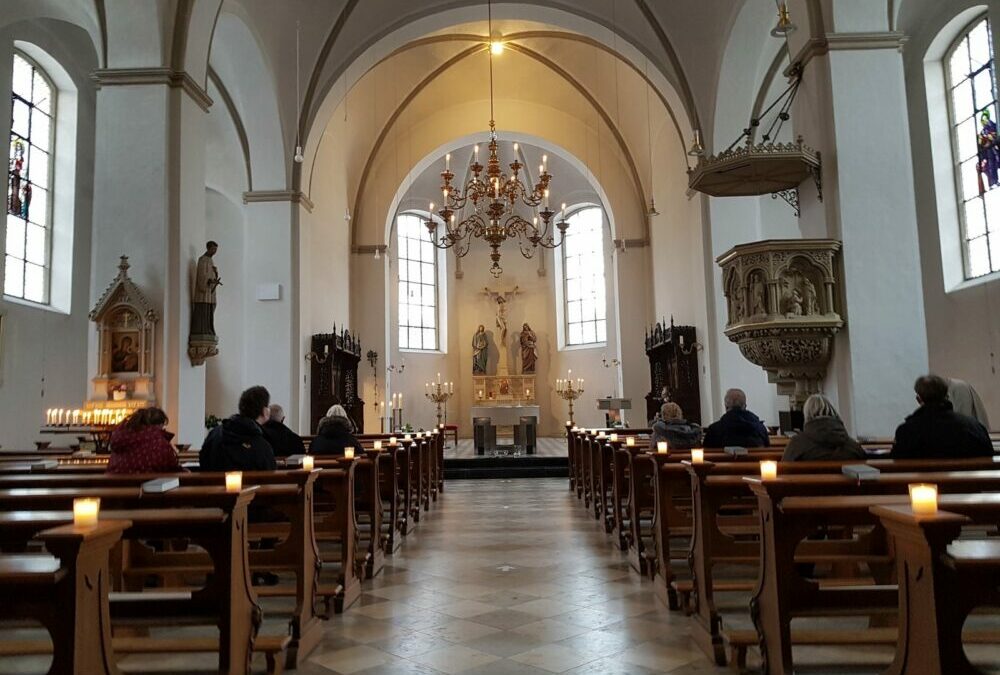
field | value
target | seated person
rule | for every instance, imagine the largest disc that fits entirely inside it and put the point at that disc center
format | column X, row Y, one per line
column 823, row 436
column 674, row 429
column 283, row 440
column 935, row 430
column 141, row 445
column 238, row 444
column 334, row 433
column 738, row 426
column 965, row 401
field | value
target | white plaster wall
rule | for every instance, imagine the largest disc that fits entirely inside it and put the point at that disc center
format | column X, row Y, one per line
column 43, row 354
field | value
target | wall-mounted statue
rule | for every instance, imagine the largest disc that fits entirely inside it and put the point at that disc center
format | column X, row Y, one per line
column 203, row 342
column 529, row 350
column 480, row 351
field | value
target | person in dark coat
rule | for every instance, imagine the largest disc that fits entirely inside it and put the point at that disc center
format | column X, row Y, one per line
column 334, row 433
column 141, row 445
column 738, row 427
column 674, row 429
column 283, row 440
column 823, row 435
column 935, row 430
column 238, row 444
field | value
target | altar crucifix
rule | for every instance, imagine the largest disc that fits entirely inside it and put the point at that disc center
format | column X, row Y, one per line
column 502, row 299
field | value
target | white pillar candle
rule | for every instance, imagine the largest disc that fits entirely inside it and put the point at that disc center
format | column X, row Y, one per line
column 348, row 453
column 602, row 435
column 85, row 511
column 630, row 441
column 308, row 462
column 924, row 498
column 378, row 445
column 768, row 469
column 614, row 438
column 393, row 442
column 661, row 447
column 697, row 456
column 407, row 437
column 234, row 481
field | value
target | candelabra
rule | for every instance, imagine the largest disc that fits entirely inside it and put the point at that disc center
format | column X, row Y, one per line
column 320, row 359
column 695, row 346
column 440, row 392
column 613, row 363
column 569, row 390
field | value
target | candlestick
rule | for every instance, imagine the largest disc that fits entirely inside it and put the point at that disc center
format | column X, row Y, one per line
column 308, row 462
column 923, row 498
column 768, row 469
column 348, row 453
column 86, row 511
column 661, row 447
column 697, row 456
column 234, row 481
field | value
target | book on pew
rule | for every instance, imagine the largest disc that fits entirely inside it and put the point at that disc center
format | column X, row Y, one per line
column 161, row 484
column 294, row 460
column 193, row 466
column 45, row 464
column 735, row 450
column 860, row 472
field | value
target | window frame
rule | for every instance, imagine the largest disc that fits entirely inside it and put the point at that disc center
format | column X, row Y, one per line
column 956, row 158
column 437, row 276
column 49, row 227
column 567, row 343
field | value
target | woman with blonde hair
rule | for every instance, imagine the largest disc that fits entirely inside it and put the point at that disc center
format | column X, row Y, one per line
column 823, row 435
column 334, row 433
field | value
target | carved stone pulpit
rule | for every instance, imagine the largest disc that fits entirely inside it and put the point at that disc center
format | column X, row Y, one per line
column 782, row 302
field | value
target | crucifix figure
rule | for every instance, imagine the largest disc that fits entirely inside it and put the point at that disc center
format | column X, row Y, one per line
column 502, row 299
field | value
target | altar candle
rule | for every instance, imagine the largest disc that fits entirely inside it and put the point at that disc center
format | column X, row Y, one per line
column 630, row 442
column 234, row 481
column 451, row 387
column 527, row 393
column 85, row 511
column 400, row 401
column 393, row 442
column 348, row 453
column 48, row 417
column 378, row 445
column 661, row 447
column 614, row 438
column 923, row 498
column 697, row 456
column 768, row 469
column 308, row 462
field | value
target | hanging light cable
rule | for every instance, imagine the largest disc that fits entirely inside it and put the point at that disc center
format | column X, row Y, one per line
column 299, row 157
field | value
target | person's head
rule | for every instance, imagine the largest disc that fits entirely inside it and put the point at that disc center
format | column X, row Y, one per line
column 146, row 417
column 735, row 398
column 255, row 403
column 816, row 406
column 211, row 247
column 931, row 390
column 671, row 411
column 126, row 343
column 337, row 414
column 481, row 328
column 277, row 413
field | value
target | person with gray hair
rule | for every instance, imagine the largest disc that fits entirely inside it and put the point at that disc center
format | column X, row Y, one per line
column 823, row 435
column 284, row 441
column 674, row 429
column 334, row 433
column 738, row 426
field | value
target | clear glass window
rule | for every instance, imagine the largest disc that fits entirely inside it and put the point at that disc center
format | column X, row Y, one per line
column 583, row 278
column 418, row 287
column 28, row 237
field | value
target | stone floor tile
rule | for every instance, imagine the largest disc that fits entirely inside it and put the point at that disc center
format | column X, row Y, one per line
column 351, row 660
column 554, row 658
column 455, row 659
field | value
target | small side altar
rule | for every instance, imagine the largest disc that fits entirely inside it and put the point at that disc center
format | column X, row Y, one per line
column 504, row 389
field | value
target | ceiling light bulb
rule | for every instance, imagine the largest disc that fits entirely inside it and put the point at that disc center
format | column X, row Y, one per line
column 496, row 47
column 299, row 157
column 377, row 253
column 697, row 149
column 784, row 25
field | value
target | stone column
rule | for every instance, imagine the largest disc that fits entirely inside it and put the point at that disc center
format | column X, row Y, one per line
column 852, row 107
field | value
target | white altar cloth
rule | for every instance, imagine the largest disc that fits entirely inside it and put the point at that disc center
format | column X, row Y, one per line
column 505, row 415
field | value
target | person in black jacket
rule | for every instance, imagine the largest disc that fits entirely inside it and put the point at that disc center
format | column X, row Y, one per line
column 334, row 433
column 238, row 444
column 674, row 429
column 738, row 427
column 283, row 440
column 935, row 430
column 823, row 435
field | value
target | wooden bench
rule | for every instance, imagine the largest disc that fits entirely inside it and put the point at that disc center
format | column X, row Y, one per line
column 68, row 594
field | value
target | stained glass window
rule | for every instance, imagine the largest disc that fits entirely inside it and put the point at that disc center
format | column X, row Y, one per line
column 29, row 180
column 973, row 110
column 583, row 278
column 418, row 284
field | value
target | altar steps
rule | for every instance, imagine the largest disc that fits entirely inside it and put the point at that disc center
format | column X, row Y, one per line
column 506, row 467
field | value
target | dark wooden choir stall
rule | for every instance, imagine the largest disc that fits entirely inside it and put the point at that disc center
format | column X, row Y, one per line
column 673, row 364
column 334, row 376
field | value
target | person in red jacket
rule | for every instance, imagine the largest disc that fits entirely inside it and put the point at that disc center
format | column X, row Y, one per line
column 141, row 445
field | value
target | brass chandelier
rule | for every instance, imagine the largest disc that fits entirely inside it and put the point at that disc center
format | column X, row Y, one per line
column 493, row 195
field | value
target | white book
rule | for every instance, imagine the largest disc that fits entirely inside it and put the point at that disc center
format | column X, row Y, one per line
column 294, row 460
column 735, row 450
column 161, row 484
column 860, row 472
column 45, row 464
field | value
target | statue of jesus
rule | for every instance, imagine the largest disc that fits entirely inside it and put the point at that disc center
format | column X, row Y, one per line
column 501, row 298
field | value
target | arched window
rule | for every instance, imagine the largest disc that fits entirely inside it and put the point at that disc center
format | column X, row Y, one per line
column 972, row 102
column 418, row 284
column 584, row 292
column 28, row 242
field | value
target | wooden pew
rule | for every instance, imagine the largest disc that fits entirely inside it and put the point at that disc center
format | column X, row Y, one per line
column 335, row 523
column 67, row 594
column 941, row 580
column 793, row 507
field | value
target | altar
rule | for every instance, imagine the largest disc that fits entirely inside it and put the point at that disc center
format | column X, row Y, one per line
column 505, row 415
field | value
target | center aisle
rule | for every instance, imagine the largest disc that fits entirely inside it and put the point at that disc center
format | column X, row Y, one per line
column 508, row 577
